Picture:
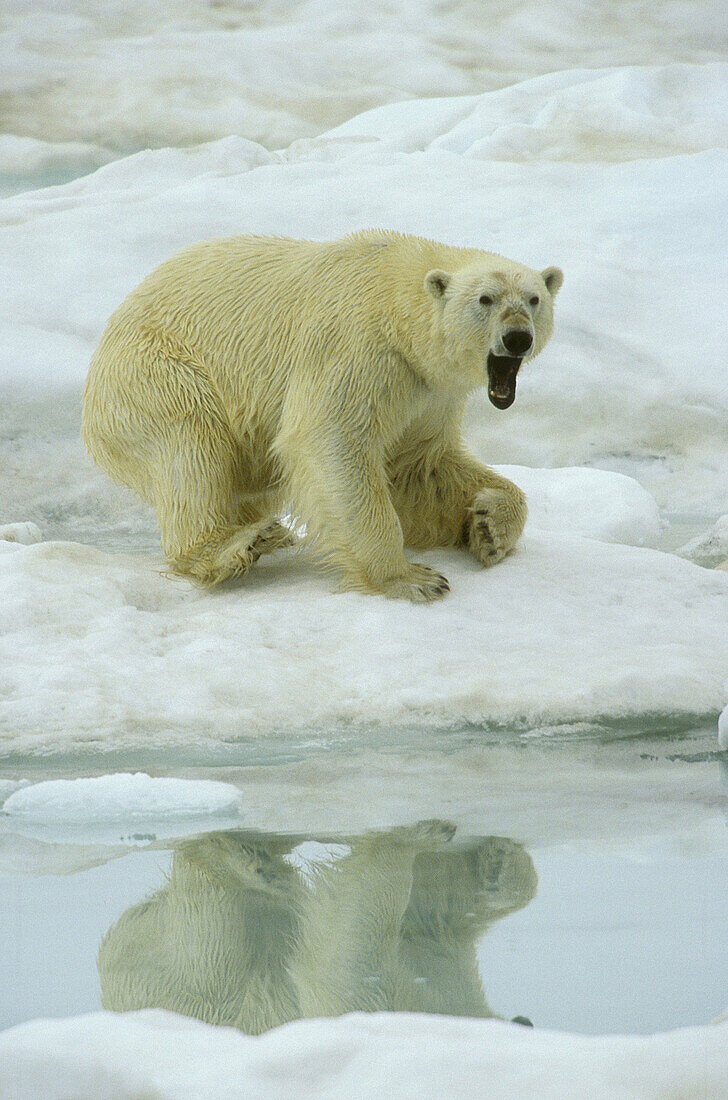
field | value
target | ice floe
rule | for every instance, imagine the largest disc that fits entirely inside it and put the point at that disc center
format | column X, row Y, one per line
column 710, row 548
column 24, row 533
column 594, row 503
column 125, row 797
column 103, row 649
column 118, row 1057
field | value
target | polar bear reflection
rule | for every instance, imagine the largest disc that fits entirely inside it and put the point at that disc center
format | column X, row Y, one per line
column 239, row 936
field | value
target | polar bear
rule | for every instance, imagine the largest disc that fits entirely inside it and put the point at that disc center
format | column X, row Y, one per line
column 251, row 376
column 239, row 936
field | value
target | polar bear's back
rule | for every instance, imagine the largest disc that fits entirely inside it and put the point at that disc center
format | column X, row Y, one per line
column 253, row 309
column 230, row 284
column 224, row 297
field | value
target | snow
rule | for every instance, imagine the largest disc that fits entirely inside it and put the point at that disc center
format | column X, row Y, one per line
column 723, row 728
column 104, row 649
column 593, row 503
column 177, row 75
column 607, row 115
column 357, row 1056
column 7, row 786
column 122, row 797
column 709, row 548
column 24, row 533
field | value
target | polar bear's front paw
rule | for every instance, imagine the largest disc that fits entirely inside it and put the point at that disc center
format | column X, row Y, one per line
column 419, row 583
column 497, row 519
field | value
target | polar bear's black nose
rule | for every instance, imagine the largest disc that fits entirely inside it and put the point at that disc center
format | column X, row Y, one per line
column 518, row 341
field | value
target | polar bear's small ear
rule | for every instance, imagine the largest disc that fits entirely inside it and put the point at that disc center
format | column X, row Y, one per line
column 553, row 277
column 436, row 283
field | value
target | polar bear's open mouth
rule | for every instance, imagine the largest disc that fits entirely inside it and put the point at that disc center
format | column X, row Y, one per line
column 502, row 371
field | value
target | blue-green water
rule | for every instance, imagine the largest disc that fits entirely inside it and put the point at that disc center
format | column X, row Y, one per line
column 583, row 885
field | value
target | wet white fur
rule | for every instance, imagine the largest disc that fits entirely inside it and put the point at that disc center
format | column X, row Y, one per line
column 252, row 376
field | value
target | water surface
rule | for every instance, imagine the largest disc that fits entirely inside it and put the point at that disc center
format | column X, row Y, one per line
column 583, row 886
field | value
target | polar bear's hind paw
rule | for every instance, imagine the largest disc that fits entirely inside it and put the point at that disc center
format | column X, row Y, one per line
column 231, row 552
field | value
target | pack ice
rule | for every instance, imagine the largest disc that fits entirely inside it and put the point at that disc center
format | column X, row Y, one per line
column 622, row 415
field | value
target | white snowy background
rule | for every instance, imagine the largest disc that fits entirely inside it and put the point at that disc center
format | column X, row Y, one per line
column 588, row 136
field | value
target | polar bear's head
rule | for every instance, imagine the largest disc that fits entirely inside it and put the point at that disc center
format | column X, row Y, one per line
column 493, row 315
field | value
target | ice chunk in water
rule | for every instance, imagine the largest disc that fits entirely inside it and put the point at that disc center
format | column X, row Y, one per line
column 124, row 795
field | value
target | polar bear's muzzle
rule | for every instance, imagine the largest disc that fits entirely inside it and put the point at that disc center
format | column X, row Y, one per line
column 502, row 372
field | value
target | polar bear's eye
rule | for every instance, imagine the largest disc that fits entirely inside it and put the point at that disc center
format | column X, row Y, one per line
column 486, row 300
column 535, row 300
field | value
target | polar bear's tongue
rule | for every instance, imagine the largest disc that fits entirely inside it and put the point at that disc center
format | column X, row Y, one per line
column 502, row 371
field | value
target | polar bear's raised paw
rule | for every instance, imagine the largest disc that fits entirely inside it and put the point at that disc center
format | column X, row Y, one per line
column 497, row 518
